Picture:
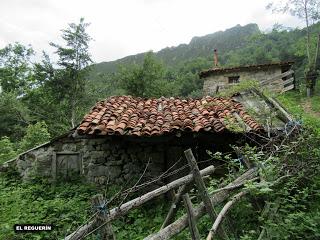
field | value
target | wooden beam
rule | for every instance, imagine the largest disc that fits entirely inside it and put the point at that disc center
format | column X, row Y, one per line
column 191, row 220
column 200, row 184
column 275, row 78
column 275, row 104
column 290, row 87
column 82, row 231
column 200, row 210
column 290, row 80
column 174, row 206
column 134, row 203
column 202, row 189
column 246, row 161
column 223, row 213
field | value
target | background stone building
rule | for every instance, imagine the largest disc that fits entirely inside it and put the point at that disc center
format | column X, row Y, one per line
column 275, row 76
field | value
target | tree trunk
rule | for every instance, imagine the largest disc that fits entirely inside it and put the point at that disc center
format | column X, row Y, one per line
column 73, row 113
column 308, row 32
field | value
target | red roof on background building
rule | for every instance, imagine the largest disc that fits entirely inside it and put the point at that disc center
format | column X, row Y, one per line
column 218, row 70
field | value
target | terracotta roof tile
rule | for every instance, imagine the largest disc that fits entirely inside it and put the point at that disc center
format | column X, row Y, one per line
column 126, row 115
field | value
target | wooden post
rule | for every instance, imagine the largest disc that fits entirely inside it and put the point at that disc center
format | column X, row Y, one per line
column 202, row 189
column 106, row 232
column 200, row 184
column 191, row 219
column 174, row 206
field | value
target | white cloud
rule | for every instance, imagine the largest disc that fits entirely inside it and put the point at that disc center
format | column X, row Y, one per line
column 126, row 27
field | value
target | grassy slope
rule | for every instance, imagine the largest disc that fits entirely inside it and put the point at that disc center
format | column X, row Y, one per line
column 303, row 109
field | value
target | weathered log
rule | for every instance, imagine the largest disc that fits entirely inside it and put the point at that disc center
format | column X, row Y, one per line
column 174, row 206
column 200, row 184
column 223, row 213
column 276, row 105
column 192, row 222
column 202, row 188
column 246, row 161
column 134, row 203
column 200, row 210
column 82, row 231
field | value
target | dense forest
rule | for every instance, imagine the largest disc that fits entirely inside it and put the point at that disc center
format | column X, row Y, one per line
column 43, row 99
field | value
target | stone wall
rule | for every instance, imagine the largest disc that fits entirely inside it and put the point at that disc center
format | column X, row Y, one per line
column 221, row 80
column 98, row 160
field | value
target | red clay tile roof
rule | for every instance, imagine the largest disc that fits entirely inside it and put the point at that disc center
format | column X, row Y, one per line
column 218, row 70
column 126, row 115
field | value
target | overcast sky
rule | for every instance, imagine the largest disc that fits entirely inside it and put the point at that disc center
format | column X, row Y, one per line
column 126, row 27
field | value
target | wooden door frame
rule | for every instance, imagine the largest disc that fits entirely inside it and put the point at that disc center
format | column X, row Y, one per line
column 54, row 162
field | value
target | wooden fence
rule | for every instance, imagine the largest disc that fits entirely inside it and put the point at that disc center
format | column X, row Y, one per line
column 101, row 220
column 280, row 83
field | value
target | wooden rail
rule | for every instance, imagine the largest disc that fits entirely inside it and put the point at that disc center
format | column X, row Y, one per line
column 280, row 83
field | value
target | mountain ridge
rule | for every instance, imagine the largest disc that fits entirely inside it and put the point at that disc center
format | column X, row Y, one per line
column 199, row 46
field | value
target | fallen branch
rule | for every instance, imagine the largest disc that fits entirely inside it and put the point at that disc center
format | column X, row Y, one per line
column 223, row 213
column 200, row 210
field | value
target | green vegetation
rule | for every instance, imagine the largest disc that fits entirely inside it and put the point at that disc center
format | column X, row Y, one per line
column 7, row 150
column 36, row 135
column 306, row 110
column 44, row 99
column 64, row 205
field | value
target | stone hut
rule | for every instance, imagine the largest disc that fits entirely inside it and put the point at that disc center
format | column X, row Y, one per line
column 275, row 76
column 123, row 135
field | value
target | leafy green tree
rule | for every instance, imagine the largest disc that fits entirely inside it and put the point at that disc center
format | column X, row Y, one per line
column 7, row 150
column 36, row 134
column 44, row 103
column 69, row 81
column 309, row 11
column 14, row 116
column 146, row 80
column 16, row 68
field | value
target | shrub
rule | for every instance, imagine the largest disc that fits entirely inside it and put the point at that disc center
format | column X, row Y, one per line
column 36, row 135
column 7, row 150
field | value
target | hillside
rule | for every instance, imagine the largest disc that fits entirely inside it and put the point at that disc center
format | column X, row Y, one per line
column 233, row 38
